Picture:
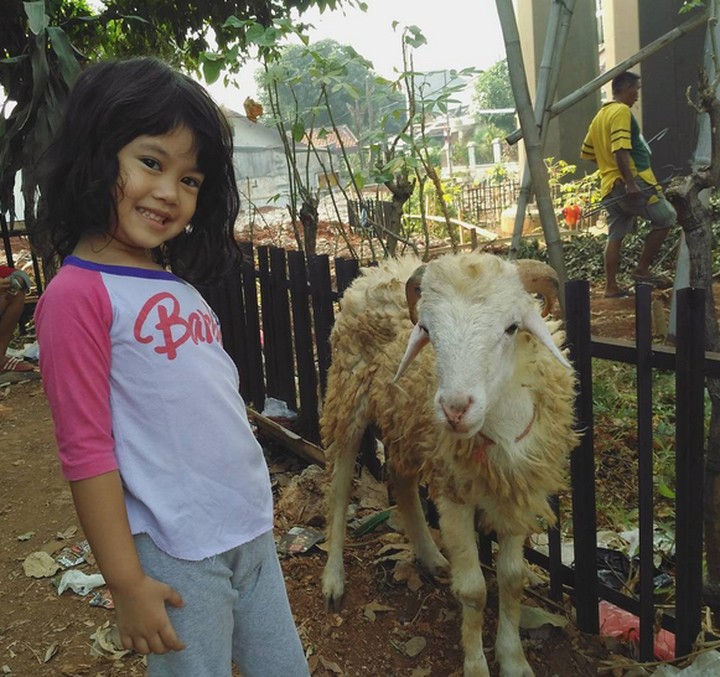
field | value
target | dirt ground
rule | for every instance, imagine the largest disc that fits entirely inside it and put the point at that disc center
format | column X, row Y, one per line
column 395, row 621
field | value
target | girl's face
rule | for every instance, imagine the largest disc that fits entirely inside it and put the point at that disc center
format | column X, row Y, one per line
column 157, row 191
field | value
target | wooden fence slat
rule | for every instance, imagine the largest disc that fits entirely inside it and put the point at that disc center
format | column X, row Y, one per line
column 689, row 432
column 253, row 346
column 346, row 270
column 283, row 336
column 304, row 354
column 582, row 462
column 268, row 322
column 235, row 320
column 323, row 313
column 643, row 332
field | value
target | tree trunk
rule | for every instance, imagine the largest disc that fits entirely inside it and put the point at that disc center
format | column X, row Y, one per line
column 696, row 220
column 309, row 220
column 402, row 189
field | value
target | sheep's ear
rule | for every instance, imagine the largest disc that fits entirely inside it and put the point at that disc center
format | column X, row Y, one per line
column 413, row 291
column 418, row 340
column 533, row 323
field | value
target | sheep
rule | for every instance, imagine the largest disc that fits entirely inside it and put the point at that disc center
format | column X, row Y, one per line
column 485, row 419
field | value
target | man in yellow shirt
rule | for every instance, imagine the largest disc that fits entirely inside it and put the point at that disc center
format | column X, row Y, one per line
column 628, row 184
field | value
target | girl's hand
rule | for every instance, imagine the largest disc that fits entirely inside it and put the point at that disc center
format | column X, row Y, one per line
column 142, row 618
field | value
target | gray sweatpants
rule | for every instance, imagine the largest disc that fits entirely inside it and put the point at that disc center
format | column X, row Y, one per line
column 236, row 610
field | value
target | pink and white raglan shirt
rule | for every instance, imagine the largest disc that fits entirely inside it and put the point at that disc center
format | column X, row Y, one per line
column 138, row 381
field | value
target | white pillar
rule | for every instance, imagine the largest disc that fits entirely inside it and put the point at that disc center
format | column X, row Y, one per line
column 497, row 151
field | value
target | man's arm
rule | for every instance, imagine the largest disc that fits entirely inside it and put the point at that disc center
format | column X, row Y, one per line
column 622, row 157
column 139, row 600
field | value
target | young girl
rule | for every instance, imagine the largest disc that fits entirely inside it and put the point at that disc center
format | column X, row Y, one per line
column 169, row 484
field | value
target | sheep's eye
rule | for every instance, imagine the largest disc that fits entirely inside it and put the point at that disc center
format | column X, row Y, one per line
column 424, row 328
column 511, row 329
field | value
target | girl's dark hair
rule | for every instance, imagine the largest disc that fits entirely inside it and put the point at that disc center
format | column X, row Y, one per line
column 111, row 104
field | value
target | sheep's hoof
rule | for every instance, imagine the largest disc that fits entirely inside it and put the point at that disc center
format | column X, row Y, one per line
column 436, row 566
column 333, row 590
column 333, row 603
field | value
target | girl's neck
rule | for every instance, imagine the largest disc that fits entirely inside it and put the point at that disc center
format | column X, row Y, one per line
column 104, row 249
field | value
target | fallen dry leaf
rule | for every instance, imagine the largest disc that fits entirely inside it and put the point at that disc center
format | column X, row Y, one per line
column 67, row 534
column 420, row 672
column 40, row 565
column 373, row 608
column 331, row 666
column 406, row 572
column 51, row 652
column 414, row 646
column 107, row 642
column 373, row 494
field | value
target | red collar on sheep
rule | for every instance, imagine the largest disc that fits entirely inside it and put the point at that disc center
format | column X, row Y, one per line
column 484, row 442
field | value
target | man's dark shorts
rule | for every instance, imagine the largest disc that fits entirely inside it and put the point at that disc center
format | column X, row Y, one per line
column 651, row 206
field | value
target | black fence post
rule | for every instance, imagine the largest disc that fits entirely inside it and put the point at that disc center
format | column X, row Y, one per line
column 689, row 440
column 644, row 373
column 253, row 345
column 346, row 270
column 323, row 314
column 304, row 354
column 582, row 460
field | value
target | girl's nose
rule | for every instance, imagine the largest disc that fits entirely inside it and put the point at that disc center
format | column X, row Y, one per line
column 166, row 190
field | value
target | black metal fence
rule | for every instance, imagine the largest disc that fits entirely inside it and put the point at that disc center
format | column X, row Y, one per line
column 363, row 215
column 277, row 311
column 484, row 203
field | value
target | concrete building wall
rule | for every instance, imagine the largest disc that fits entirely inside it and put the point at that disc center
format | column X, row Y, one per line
column 621, row 39
column 580, row 64
column 665, row 77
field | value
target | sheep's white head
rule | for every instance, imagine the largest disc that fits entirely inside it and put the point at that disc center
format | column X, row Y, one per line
column 471, row 308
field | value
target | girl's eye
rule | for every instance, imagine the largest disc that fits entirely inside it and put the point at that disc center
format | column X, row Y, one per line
column 150, row 162
column 511, row 329
column 192, row 182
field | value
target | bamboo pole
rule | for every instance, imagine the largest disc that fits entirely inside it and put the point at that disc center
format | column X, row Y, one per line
column 594, row 84
column 538, row 170
column 555, row 39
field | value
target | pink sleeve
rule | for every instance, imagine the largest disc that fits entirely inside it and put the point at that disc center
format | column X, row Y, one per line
column 73, row 320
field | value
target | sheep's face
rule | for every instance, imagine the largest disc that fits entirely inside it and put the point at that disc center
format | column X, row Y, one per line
column 474, row 336
column 471, row 308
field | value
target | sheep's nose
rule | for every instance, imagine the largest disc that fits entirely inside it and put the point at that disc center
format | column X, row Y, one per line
column 454, row 409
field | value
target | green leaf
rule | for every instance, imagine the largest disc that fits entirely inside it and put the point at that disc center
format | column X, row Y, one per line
column 359, row 181
column 372, row 522
column 254, row 33
column 665, row 491
column 298, row 131
column 211, row 68
column 414, row 37
column 37, row 19
column 68, row 64
column 12, row 60
column 234, row 22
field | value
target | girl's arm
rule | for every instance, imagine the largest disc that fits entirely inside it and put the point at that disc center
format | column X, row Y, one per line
column 139, row 600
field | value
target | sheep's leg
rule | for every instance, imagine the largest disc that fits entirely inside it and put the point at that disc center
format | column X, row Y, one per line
column 511, row 572
column 344, row 452
column 457, row 524
column 405, row 492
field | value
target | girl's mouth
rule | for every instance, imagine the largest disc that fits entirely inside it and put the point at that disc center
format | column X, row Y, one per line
column 152, row 216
